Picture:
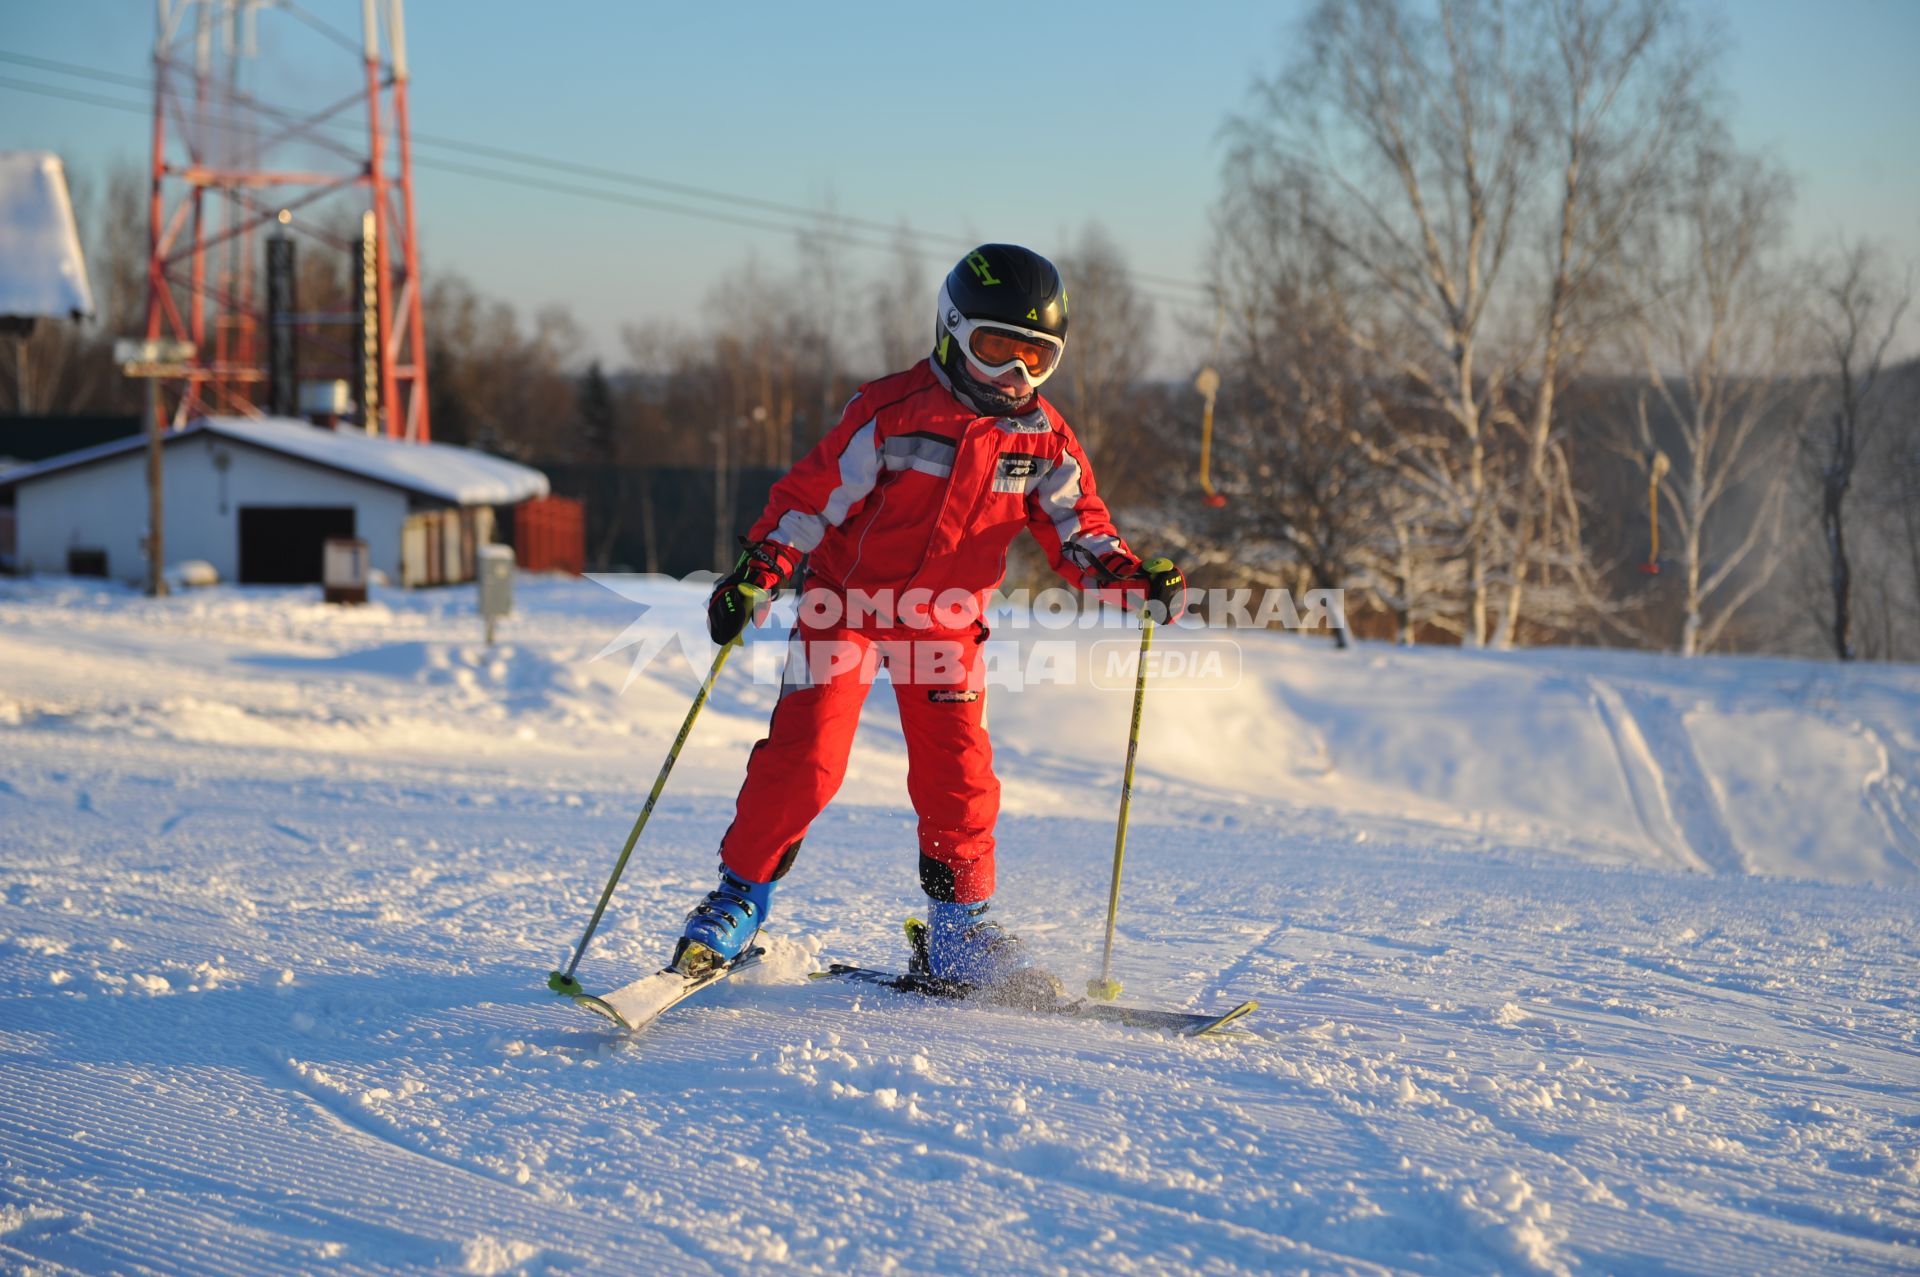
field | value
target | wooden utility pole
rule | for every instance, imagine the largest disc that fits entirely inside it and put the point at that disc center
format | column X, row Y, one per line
column 150, row 361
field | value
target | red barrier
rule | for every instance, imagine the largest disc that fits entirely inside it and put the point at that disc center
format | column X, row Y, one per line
column 550, row 535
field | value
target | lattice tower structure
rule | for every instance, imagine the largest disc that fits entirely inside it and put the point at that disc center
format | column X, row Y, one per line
column 232, row 164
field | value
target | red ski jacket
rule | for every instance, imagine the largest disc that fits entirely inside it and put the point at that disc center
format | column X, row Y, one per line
column 913, row 490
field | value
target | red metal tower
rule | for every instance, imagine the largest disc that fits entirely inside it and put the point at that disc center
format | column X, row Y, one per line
column 228, row 164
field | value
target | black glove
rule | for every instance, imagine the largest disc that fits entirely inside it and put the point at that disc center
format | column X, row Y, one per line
column 755, row 578
column 1166, row 589
column 1156, row 588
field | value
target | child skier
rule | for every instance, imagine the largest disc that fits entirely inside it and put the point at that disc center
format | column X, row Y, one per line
column 904, row 512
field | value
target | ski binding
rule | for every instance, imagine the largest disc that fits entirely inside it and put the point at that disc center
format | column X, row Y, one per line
column 916, row 980
column 634, row 1006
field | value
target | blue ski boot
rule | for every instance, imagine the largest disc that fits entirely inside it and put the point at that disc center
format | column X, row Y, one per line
column 721, row 926
column 959, row 948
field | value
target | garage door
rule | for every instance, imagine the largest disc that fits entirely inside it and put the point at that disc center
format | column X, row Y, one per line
column 281, row 545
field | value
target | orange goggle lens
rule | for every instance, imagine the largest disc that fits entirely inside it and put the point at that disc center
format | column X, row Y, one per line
column 996, row 348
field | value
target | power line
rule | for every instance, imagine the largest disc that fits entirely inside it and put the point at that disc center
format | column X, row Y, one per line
column 519, row 157
column 493, row 175
column 74, row 68
column 817, row 223
column 817, row 231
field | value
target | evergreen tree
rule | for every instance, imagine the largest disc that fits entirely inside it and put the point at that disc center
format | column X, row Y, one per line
column 598, row 417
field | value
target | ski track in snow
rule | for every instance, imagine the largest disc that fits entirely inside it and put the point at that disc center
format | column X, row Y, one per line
column 280, row 888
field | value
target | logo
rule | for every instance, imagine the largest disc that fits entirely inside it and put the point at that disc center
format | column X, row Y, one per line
column 1033, row 313
column 981, row 270
column 952, row 696
column 953, row 318
column 1019, row 465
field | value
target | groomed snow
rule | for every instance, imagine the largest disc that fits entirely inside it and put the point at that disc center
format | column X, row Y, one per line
column 1570, row 962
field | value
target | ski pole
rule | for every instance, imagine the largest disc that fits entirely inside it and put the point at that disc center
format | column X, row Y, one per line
column 1106, row 987
column 563, row 981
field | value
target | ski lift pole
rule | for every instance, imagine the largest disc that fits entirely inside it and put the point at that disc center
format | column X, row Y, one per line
column 563, row 981
column 1656, row 471
column 1106, row 987
column 1208, row 384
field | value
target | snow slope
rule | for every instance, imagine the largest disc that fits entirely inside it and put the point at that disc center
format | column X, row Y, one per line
column 1571, row 962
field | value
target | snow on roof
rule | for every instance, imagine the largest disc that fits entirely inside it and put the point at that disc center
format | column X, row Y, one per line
column 42, row 273
column 68, row 460
column 438, row 471
column 462, row 476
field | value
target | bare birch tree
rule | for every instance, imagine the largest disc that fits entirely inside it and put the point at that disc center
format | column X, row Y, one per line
column 1619, row 91
column 1440, row 148
column 1716, row 337
column 1298, row 429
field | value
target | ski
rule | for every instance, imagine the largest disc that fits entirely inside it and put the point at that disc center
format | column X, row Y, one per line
column 1189, row 1024
column 634, row 1006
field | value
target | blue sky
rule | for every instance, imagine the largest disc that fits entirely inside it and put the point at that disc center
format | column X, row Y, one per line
column 1003, row 121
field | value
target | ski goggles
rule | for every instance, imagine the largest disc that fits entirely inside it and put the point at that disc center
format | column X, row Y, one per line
column 1000, row 348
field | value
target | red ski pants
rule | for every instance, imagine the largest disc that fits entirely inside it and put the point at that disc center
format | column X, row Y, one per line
column 939, row 685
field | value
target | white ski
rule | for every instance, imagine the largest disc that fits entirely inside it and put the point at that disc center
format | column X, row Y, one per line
column 636, row 1005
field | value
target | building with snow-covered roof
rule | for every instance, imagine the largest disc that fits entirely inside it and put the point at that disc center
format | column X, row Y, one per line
column 257, row 498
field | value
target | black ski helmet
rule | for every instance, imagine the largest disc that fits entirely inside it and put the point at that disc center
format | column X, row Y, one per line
column 1001, row 286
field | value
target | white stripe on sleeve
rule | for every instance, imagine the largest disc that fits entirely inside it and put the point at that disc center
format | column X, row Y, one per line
column 1058, row 494
column 859, row 471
